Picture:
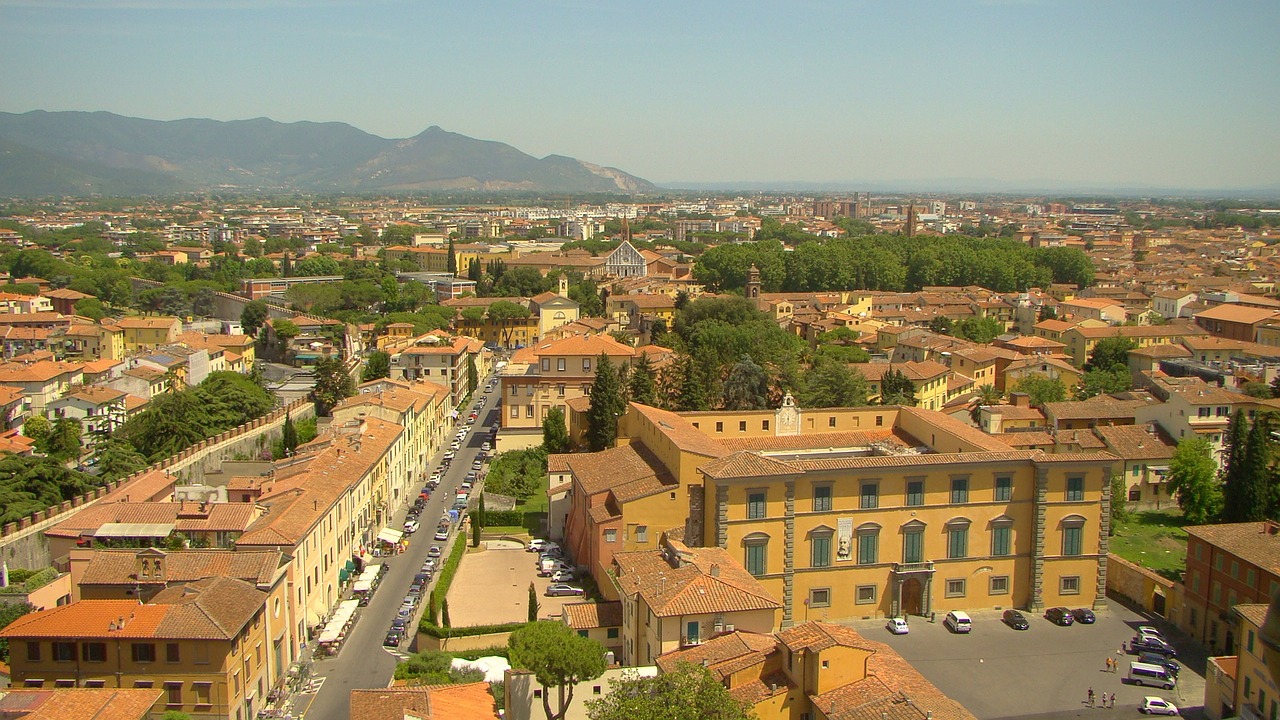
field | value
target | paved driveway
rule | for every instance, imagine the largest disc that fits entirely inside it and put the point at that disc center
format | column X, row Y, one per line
column 492, row 587
column 1046, row 671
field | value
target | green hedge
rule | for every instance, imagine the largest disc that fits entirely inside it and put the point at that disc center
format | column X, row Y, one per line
column 500, row 518
column 436, row 631
column 35, row 581
column 500, row 651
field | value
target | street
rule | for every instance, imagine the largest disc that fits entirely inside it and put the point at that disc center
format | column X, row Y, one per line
column 363, row 662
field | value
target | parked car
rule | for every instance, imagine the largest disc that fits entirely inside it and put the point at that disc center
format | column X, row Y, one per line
column 1149, row 631
column 1148, row 643
column 422, row 578
column 1059, row 616
column 1084, row 616
column 1157, row 706
column 484, row 446
column 560, row 589
column 1015, row 620
column 957, row 621
column 393, row 638
column 539, row 545
column 897, row 626
column 1157, row 659
column 550, row 569
column 404, row 613
column 442, row 533
column 411, row 526
column 562, row 576
column 416, row 589
column 434, row 552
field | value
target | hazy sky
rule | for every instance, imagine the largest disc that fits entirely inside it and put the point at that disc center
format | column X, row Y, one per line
column 1068, row 92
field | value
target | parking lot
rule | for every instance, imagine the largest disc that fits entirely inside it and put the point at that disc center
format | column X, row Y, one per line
column 1045, row 671
column 492, row 587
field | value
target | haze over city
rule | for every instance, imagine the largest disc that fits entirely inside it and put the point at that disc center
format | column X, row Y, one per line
column 955, row 95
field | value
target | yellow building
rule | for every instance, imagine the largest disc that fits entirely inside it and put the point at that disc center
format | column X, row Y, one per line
column 216, row 647
column 436, row 258
column 817, row 671
column 1080, row 340
column 872, row 512
column 148, row 333
column 928, row 379
column 680, row 596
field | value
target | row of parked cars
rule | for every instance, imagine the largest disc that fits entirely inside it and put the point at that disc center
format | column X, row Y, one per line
column 399, row 626
column 551, row 564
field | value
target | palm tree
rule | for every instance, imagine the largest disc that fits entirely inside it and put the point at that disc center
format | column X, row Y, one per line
column 988, row 395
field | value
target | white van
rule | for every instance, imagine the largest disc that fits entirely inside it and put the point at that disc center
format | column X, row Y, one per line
column 1150, row 675
column 958, row 621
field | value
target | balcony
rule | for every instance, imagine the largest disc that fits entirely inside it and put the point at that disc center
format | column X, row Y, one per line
column 912, row 568
column 687, row 641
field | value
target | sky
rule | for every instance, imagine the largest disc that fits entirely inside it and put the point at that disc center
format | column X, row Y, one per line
column 1018, row 93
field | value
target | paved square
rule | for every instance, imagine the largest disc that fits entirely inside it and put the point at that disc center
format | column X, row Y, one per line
column 998, row 672
column 492, row 587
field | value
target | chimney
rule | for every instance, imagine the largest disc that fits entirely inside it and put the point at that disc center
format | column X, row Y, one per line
column 715, row 570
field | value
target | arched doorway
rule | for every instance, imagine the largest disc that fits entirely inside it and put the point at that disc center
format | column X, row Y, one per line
column 912, row 597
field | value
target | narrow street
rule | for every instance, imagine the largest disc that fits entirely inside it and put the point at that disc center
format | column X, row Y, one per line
column 363, row 662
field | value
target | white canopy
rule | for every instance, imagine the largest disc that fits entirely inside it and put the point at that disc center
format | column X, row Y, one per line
column 362, row 586
column 389, row 535
column 341, row 616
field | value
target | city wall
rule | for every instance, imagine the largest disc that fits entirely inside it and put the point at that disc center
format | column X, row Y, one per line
column 23, row 544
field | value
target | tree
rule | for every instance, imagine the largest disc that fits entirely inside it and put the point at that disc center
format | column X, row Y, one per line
column 833, row 384
column 747, row 387
column 897, row 389
column 433, row 609
column 941, row 324
column 606, row 406
column 1110, row 352
column 642, row 386
column 175, row 715
column 691, row 392
column 117, row 458
column 254, row 316
column 534, row 607
column 289, row 436
column 690, row 692
column 1253, row 388
column 452, row 263
column 333, row 384
column 376, row 366
column 988, row 395
column 475, row 530
column 558, row 657
column 37, row 427
column 1119, row 501
column 473, row 375
column 1099, row 382
column 10, row 611
column 555, row 434
column 1235, row 447
column 63, row 441
column 1041, row 389
column 91, row 308
column 1193, row 481
column 1247, row 499
column 444, row 613
column 981, row 330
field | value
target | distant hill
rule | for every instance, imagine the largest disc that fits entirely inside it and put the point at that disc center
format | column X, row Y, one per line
column 79, row 153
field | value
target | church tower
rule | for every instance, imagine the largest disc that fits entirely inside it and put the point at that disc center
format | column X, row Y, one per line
column 912, row 220
column 753, row 283
column 562, row 288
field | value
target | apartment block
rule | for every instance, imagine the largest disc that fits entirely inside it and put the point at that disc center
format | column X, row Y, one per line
column 1227, row 565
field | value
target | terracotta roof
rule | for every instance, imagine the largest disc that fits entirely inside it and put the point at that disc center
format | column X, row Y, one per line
column 1255, row 613
column 79, row 703
column 732, row 651
column 471, row 701
column 745, row 464
column 212, row 609
column 36, row 372
column 1023, row 440
column 681, row 432
column 1016, row 412
column 1135, row 442
column 1095, row 408
column 1173, row 329
column 148, row 323
column 117, row 567
column 617, row 467
column 806, row 441
column 220, row 517
column 591, row 345
column 816, row 636
column 1237, row 314
column 585, row 615
column 707, row 581
column 1254, row 542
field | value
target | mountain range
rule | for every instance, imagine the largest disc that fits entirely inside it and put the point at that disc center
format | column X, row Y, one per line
column 100, row 153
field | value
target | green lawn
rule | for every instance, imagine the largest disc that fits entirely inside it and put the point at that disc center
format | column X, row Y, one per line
column 1153, row 539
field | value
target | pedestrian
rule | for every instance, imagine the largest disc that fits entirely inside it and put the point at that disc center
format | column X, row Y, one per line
column 1090, row 697
column 1113, row 700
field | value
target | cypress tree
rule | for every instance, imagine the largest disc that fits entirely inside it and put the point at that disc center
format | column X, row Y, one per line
column 693, row 392
column 1255, row 475
column 433, row 609
column 289, row 436
column 643, row 386
column 606, row 406
column 1234, row 469
column 533, row 603
column 452, row 267
column 444, row 613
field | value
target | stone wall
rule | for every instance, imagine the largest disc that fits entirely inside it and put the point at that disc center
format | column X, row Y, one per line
column 23, row 544
column 1139, row 587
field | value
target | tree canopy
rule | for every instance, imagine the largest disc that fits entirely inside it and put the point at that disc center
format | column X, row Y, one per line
column 690, row 692
column 1041, row 389
column 607, row 405
column 559, row 658
column 1193, row 481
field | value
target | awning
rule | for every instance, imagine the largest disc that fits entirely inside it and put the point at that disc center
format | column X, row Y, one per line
column 389, row 535
column 351, row 566
column 343, row 574
column 134, row 530
column 362, row 586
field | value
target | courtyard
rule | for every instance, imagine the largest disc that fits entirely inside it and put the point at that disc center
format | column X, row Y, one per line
column 492, row 587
